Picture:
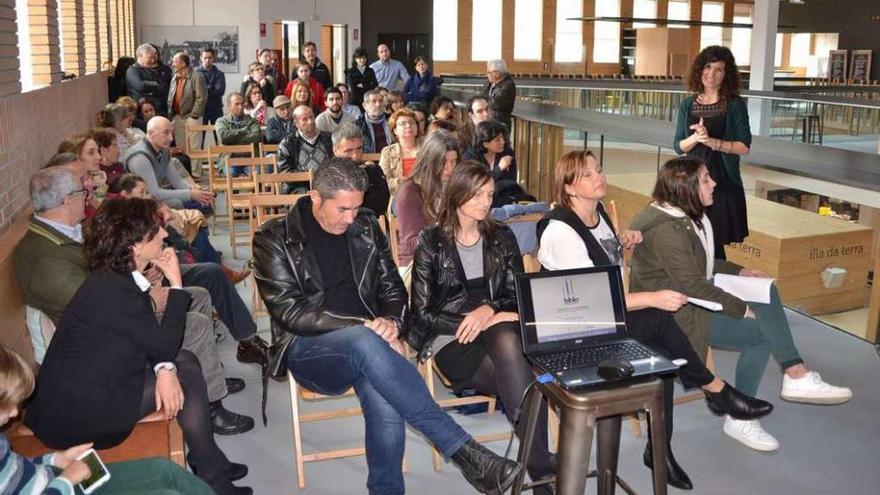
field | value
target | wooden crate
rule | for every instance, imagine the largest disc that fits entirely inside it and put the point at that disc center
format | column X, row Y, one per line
column 792, row 245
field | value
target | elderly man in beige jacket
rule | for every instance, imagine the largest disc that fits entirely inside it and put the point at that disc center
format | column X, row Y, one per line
column 186, row 100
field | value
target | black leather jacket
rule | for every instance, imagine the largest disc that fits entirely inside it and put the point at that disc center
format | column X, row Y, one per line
column 290, row 284
column 439, row 286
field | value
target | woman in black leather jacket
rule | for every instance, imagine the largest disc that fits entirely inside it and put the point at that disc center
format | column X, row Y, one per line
column 464, row 300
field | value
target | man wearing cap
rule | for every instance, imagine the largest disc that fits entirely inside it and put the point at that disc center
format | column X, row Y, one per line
column 281, row 124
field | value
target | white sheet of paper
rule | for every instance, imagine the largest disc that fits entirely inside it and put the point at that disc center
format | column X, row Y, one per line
column 751, row 289
column 710, row 305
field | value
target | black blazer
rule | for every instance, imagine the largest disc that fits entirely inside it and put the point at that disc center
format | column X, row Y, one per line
column 91, row 383
column 358, row 84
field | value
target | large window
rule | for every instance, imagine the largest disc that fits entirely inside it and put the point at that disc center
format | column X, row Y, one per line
column 678, row 10
column 527, row 29
column 486, row 31
column 799, row 56
column 569, row 33
column 777, row 57
column 741, row 38
column 644, row 9
column 606, row 37
column 712, row 35
column 445, row 30
column 25, row 60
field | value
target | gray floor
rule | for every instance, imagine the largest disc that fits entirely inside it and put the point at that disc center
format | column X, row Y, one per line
column 823, row 449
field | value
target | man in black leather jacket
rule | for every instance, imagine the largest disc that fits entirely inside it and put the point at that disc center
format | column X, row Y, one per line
column 337, row 305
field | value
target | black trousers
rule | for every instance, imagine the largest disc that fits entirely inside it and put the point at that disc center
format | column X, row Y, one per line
column 225, row 298
column 658, row 330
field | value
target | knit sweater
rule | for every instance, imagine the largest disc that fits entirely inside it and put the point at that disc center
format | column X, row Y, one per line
column 23, row 476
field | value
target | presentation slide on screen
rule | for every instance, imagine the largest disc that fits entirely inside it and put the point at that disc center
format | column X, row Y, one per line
column 572, row 307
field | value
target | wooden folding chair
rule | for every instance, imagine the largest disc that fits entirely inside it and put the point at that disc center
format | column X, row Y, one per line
column 271, row 183
column 216, row 181
column 265, row 207
column 428, row 370
column 238, row 194
column 266, row 149
column 199, row 156
column 393, row 237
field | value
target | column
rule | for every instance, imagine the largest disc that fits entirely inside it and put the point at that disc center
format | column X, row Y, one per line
column 765, row 20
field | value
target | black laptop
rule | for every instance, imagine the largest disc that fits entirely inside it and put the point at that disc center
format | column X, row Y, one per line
column 571, row 320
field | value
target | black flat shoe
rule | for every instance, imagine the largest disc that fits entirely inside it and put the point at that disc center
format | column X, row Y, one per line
column 234, row 385
column 253, row 350
column 736, row 404
column 486, row 471
column 226, row 422
column 236, row 471
column 675, row 475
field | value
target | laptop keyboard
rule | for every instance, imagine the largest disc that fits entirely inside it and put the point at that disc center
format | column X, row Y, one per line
column 592, row 356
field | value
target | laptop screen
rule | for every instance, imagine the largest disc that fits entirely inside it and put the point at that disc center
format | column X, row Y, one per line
column 569, row 306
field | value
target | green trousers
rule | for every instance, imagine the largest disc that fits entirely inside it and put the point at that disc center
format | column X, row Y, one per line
column 156, row 476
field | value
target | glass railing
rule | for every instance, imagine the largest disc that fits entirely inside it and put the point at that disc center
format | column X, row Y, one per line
column 851, row 126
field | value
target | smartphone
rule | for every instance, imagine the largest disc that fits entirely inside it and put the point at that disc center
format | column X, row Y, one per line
column 100, row 474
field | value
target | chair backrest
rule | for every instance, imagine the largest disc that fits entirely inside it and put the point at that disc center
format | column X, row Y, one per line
column 216, row 153
column 270, row 183
column 267, row 206
column 371, row 157
column 193, row 130
column 266, row 148
column 254, row 165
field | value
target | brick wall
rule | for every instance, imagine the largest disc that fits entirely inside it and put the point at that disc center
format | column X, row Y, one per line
column 31, row 126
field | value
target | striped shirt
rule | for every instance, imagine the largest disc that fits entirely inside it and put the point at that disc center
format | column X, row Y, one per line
column 22, row 476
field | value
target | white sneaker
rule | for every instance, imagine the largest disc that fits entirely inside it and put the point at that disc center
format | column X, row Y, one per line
column 750, row 434
column 812, row 390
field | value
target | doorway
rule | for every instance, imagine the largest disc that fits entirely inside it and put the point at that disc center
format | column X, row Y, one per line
column 334, row 50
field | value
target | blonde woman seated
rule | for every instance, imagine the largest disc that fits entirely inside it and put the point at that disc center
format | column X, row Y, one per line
column 577, row 234
column 678, row 254
column 398, row 160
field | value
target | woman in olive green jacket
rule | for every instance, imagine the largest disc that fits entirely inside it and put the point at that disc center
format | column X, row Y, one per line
column 677, row 253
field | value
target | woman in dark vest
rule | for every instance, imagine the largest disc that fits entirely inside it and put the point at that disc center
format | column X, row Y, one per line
column 577, row 234
column 464, row 301
column 713, row 124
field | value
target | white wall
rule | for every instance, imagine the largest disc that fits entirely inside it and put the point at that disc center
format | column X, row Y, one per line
column 241, row 13
column 314, row 14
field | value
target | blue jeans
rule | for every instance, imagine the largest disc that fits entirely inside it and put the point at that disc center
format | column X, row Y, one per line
column 390, row 391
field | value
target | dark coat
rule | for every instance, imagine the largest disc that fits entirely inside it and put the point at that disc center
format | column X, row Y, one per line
column 144, row 82
column 439, row 285
column 277, row 129
column 215, row 80
column 501, row 98
column 321, row 73
column 421, row 88
column 289, row 278
column 91, row 383
column 359, row 84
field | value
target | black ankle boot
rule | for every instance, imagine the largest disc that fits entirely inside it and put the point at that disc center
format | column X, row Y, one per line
column 484, row 470
column 675, row 475
column 736, row 404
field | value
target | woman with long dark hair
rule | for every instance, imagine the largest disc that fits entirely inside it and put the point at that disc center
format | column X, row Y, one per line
column 360, row 78
column 111, row 362
column 677, row 254
column 713, row 124
column 464, row 302
column 577, row 233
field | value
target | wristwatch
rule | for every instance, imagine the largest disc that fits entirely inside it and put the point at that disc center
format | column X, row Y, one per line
column 167, row 365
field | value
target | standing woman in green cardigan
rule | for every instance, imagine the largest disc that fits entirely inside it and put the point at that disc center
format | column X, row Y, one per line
column 713, row 124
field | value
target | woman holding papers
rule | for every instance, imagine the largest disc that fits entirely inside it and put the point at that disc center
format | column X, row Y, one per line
column 678, row 253
column 577, row 234
column 463, row 307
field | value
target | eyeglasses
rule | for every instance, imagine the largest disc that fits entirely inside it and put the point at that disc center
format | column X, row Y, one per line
column 406, row 123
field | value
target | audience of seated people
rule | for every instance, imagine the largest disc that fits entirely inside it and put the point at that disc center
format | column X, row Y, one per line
column 266, row 58
column 443, row 108
column 58, row 472
column 301, row 94
column 394, row 101
column 304, row 77
column 397, row 160
column 360, row 78
column 477, row 111
column 422, row 86
column 108, row 150
column 236, row 127
column 577, row 233
column 281, row 124
column 146, row 110
column 677, row 253
column 107, row 368
column 333, row 116
column 421, row 111
column 117, row 118
column 339, row 311
column 257, row 77
column 377, row 133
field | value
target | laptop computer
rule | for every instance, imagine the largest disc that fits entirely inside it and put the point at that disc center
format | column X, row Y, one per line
column 571, row 320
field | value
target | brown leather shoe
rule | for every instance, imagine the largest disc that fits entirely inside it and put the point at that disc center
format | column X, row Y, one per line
column 253, row 350
column 234, row 276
